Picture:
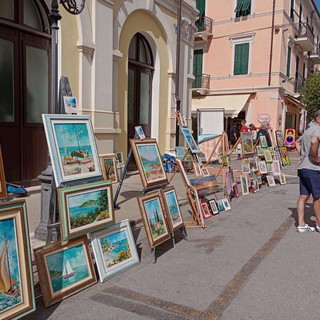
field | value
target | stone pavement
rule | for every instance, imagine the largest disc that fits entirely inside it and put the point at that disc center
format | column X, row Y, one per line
column 248, row 263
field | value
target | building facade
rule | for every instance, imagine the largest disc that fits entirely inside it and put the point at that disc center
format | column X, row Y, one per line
column 255, row 59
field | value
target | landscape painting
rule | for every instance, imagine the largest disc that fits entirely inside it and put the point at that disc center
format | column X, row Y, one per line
column 194, row 148
column 64, row 269
column 149, row 162
column 279, row 137
column 173, row 208
column 85, row 208
column 247, row 143
column 114, row 249
column 154, row 219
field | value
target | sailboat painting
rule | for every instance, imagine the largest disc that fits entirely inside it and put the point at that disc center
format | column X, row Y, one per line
column 10, row 294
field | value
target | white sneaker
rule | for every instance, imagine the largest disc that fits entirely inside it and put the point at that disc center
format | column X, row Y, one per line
column 307, row 228
column 317, row 228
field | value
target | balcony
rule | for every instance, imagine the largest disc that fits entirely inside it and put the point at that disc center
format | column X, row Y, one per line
column 204, row 28
column 201, row 81
column 304, row 36
column 315, row 55
column 299, row 82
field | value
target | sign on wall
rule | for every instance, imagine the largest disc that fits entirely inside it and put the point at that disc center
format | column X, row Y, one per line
column 264, row 117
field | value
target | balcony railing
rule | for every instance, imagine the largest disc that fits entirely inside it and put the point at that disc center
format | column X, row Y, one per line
column 204, row 24
column 201, row 81
column 304, row 36
column 315, row 55
column 299, row 82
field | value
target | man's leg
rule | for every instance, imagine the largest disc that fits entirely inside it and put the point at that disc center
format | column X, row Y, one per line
column 300, row 209
column 316, row 209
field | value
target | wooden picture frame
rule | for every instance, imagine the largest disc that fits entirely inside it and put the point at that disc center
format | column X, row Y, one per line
column 205, row 210
column 226, row 204
column 285, row 160
column 154, row 219
column 3, row 188
column 271, row 182
column 282, row 178
column 262, row 167
column 85, row 208
column 147, row 156
column 247, row 146
column 194, row 148
column 17, row 297
column 213, row 207
column 72, row 149
column 114, row 249
column 244, row 184
column 279, row 138
column 108, row 164
column 172, row 207
column 64, row 269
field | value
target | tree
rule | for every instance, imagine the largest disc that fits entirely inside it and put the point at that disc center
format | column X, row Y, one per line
column 103, row 199
column 311, row 95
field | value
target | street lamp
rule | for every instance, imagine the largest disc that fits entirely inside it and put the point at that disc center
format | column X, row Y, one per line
column 48, row 190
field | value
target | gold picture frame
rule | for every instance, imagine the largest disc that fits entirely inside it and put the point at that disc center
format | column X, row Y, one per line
column 109, row 167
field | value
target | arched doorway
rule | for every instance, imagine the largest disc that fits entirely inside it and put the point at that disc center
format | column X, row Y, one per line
column 140, row 73
column 24, row 82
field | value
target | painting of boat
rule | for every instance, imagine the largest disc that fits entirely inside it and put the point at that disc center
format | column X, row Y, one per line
column 67, row 271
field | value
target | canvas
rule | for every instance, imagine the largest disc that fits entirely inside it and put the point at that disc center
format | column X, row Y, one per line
column 3, row 189
column 260, row 151
column 149, row 162
column 213, row 207
column 263, row 141
column 267, row 155
column 194, row 148
column 154, row 219
column 205, row 210
column 180, row 152
column 64, row 269
column 85, row 208
column 279, row 138
column 276, row 167
column 70, row 105
column 262, row 167
column 226, row 204
column 114, row 249
column 244, row 184
column 246, row 143
column 16, row 284
column 172, row 206
column 285, row 160
column 72, row 148
column 109, row 167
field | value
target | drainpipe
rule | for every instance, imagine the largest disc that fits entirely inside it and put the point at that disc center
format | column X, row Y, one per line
column 271, row 45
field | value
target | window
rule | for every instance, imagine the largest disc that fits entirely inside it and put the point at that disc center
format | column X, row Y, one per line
column 292, row 10
column 241, row 58
column 288, row 62
column 243, row 8
column 197, row 68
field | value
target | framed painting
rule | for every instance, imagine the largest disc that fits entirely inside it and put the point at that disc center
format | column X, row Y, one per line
column 254, row 184
column 197, row 169
column 194, row 148
column 225, row 161
column 226, row 204
column 245, row 168
column 181, row 119
column 279, row 138
column 109, row 167
column 172, row 206
column 259, row 151
column 16, row 286
column 269, row 167
column 154, row 219
column 119, row 158
column 246, row 143
column 271, row 182
column 72, row 148
column 228, row 181
column 276, row 167
column 282, row 178
column 70, row 104
column 114, row 249
column 140, row 132
column 244, row 184
column 64, row 268
column 149, row 163
column 205, row 210
column 285, row 160
column 263, row 141
column 213, row 207
column 205, row 172
column 3, row 189
column 267, row 155
column 220, row 205
column 259, row 179
column 180, row 151
column 262, row 167
column 271, row 149
column 85, row 208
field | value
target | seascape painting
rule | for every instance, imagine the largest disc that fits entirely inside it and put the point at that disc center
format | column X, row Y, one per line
column 204, row 182
column 10, row 289
column 173, row 208
column 194, row 148
column 67, row 268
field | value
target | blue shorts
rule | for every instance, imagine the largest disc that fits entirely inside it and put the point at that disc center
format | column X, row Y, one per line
column 309, row 182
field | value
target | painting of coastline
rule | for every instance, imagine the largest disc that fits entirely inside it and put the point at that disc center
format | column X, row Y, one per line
column 194, row 148
column 10, row 290
column 173, row 208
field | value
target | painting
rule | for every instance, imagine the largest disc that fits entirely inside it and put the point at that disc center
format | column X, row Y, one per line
column 181, row 119
column 64, row 268
column 225, row 161
column 205, row 172
column 204, row 182
column 226, row 204
column 271, row 149
column 260, row 151
column 267, row 155
column 263, row 141
column 245, row 168
column 213, row 207
column 140, row 132
column 16, row 284
column 279, row 138
column 244, row 185
column 109, row 167
column 149, row 163
column 254, row 185
column 205, row 210
column 262, row 167
column 270, row 179
column 259, row 179
column 269, row 167
column 276, row 167
column 228, row 181
column 199, row 159
column 285, row 160
column 220, row 205
column 3, row 189
column 171, row 203
column 194, row 148
column 153, row 216
column 114, row 249
column 119, row 158
column 85, row 208
column 197, row 169
column 72, row 148
column 282, row 178
column 70, row 104
column 180, row 151
column 236, row 191
column 246, row 143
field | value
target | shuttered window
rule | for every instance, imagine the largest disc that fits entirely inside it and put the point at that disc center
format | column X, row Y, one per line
column 243, row 8
column 241, row 58
column 288, row 62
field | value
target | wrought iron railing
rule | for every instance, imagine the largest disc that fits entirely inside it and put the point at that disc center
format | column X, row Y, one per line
column 204, row 24
column 304, row 29
column 201, row 81
column 299, row 82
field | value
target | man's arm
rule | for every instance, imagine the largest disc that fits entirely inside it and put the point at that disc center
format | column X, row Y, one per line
column 298, row 146
column 314, row 149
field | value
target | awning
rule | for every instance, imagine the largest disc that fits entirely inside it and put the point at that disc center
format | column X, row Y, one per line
column 293, row 100
column 232, row 104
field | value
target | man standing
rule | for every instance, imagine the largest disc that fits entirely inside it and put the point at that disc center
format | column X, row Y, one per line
column 233, row 135
column 308, row 147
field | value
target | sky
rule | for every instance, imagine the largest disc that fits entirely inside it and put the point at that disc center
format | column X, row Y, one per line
column 317, row 2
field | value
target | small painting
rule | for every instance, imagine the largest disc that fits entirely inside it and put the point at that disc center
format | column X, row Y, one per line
column 276, row 167
column 284, row 156
column 259, row 179
column 267, row 155
column 64, row 269
column 254, row 185
column 259, row 151
column 270, row 179
column 279, row 138
column 269, row 167
column 181, row 119
column 152, row 211
column 180, row 152
column 220, row 205
column 245, row 168
column 282, row 178
column 85, row 208
column 225, row 161
column 140, row 132
column 205, row 172
column 119, row 158
column 114, row 249
column 213, row 207
column 204, row 182
column 109, row 167
column 197, row 169
column 205, row 210
column 271, row 149
column 246, row 143
column 262, row 167
column 173, row 209
column 70, row 105
column 149, row 163
column 226, row 204
column 3, row 189
column 194, row 148
column 263, row 141
column 244, row 184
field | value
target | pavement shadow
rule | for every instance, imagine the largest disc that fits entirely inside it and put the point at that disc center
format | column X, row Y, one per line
column 307, row 216
column 128, row 195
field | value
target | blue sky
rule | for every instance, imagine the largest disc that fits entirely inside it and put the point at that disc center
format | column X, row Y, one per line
column 317, row 2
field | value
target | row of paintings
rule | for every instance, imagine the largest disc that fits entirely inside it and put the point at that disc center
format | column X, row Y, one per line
column 213, row 207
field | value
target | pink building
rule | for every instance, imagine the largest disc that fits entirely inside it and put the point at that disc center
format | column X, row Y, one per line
column 252, row 57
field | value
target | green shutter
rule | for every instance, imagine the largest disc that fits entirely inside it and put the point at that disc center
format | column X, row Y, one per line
column 246, row 5
column 197, row 68
column 201, row 6
column 292, row 10
column 288, row 62
column 239, row 5
column 241, row 58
